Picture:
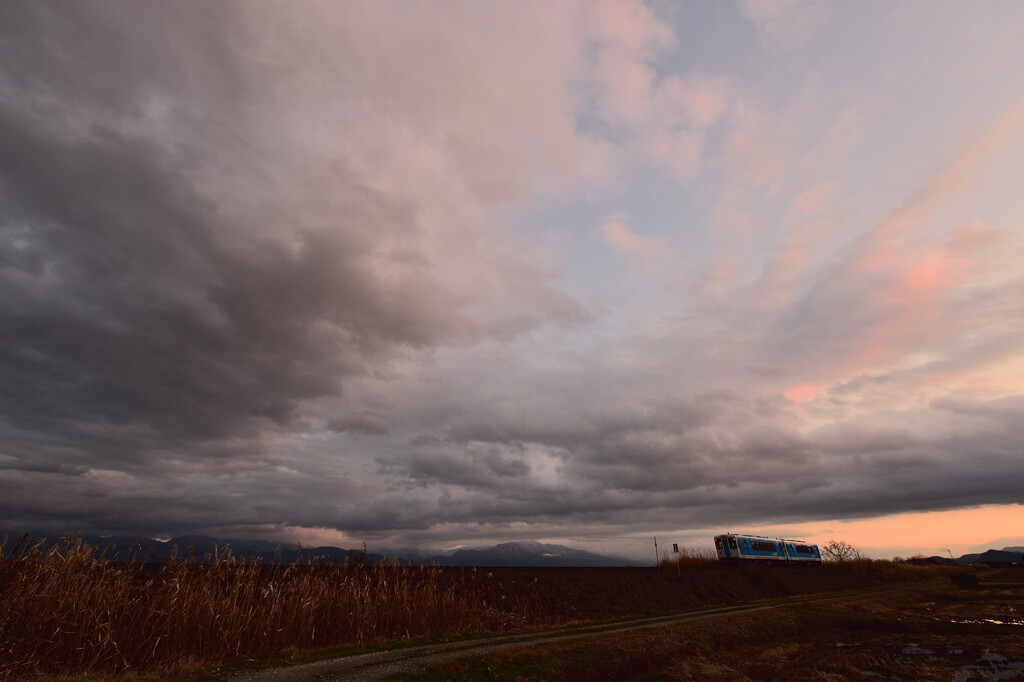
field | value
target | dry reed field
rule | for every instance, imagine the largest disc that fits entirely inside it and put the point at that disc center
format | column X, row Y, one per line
column 65, row 609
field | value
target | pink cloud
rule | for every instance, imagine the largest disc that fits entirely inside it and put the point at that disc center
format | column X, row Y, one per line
column 660, row 119
column 705, row 101
column 756, row 148
column 804, row 392
column 909, row 283
column 906, row 309
column 628, row 84
column 679, row 151
column 931, row 320
column 785, row 24
column 957, row 173
column 777, row 284
column 814, row 200
column 796, row 255
column 627, row 36
column 914, row 294
column 618, row 235
column 630, row 26
column 698, row 100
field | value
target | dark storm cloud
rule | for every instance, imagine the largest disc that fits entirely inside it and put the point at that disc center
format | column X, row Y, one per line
column 129, row 305
column 715, row 459
column 134, row 311
column 365, row 422
column 182, row 269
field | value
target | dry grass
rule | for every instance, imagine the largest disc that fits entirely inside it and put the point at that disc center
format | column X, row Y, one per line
column 690, row 557
column 934, row 631
column 65, row 609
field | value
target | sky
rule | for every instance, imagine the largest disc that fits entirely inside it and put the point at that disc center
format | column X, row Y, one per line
column 438, row 274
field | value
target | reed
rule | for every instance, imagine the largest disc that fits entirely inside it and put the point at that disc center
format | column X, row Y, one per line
column 65, row 608
column 690, row 557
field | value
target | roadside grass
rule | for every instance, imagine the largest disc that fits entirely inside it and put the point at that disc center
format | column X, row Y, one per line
column 916, row 634
column 636, row 656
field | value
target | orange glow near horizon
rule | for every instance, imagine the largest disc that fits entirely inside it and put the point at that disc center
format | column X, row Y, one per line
column 930, row 533
column 320, row 537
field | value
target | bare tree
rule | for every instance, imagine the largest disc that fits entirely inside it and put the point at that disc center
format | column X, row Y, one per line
column 840, row 550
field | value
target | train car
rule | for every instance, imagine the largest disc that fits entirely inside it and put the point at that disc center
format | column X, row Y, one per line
column 802, row 552
column 734, row 548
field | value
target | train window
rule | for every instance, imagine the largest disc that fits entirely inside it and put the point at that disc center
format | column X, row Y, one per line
column 765, row 546
column 718, row 542
column 732, row 542
column 804, row 549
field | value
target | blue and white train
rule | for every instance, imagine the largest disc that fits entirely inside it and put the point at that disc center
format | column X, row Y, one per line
column 735, row 548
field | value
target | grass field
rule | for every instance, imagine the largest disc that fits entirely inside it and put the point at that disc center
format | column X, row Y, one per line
column 947, row 631
column 66, row 610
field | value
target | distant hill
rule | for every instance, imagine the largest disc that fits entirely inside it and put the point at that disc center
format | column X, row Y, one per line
column 205, row 548
column 530, row 554
column 1004, row 555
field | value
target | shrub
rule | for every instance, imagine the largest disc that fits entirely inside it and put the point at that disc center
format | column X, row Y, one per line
column 840, row 550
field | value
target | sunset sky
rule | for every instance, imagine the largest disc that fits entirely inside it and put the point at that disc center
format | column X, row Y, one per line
column 430, row 274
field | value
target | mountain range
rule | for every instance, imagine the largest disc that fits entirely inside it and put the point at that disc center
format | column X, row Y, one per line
column 531, row 554
column 527, row 554
column 205, row 548
column 1004, row 555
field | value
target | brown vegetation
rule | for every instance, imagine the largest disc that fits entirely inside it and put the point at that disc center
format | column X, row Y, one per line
column 931, row 631
column 64, row 608
column 689, row 557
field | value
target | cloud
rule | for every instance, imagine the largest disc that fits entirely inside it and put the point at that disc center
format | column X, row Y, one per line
column 957, row 173
column 757, row 148
column 636, row 246
column 784, row 24
column 664, row 119
column 205, row 232
column 812, row 202
column 330, row 272
column 906, row 289
column 369, row 424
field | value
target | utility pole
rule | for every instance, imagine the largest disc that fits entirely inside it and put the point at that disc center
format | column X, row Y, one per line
column 657, row 560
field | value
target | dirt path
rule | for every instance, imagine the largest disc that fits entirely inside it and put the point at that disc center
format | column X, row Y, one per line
column 376, row 666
